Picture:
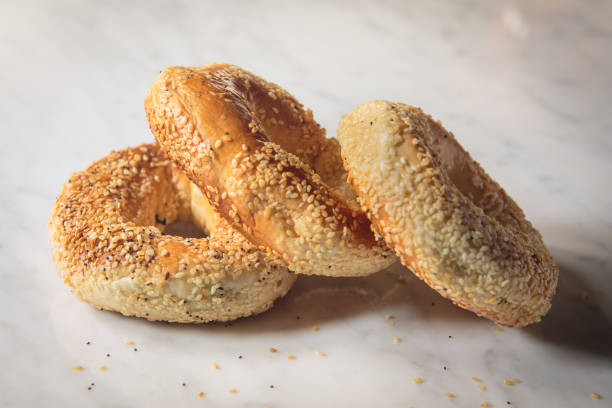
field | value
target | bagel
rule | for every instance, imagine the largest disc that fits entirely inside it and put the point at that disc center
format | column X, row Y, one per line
column 106, row 234
column 266, row 166
column 448, row 221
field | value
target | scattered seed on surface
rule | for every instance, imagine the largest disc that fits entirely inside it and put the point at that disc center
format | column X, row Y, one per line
column 129, row 342
column 391, row 323
column 201, row 394
column 595, row 395
column 396, row 339
column 233, row 391
column 476, row 379
column 449, row 395
column 103, row 368
column 291, row 357
column 315, row 328
column 498, row 329
column 320, row 353
column 273, row 350
column 77, row 368
column 388, row 317
column 215, row 366
column 482, row 387
column 417, row 380
column 485, row 404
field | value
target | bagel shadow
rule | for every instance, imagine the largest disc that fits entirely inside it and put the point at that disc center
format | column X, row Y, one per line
column 316, row 300
column 578, row 319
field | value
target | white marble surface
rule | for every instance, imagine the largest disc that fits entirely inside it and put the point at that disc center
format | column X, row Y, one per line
column 525, row 86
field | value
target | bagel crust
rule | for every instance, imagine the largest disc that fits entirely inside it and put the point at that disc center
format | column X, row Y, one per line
column 449, row 222
column 265, row 165
column 106, row 233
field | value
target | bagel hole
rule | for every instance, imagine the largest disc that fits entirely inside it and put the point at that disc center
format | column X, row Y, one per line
column 185, row 229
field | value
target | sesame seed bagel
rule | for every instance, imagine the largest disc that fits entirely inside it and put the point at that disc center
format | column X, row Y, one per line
column 449, row 221
column 106, row 233
column 266, row 166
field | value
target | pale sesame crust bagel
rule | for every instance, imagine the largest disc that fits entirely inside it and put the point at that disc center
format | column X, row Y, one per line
column 106, row 233
column 252, row 149
column 449, row 222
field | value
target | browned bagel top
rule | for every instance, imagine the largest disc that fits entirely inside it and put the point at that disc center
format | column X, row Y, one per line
column 251, row 148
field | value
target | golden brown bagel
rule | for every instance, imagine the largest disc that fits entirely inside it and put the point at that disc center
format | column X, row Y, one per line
column 449, row 222
column 252, row 148
column 106, row 232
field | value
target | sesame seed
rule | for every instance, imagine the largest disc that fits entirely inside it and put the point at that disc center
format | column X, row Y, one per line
column 291, row 357
column 273, row 350
column 129, row 342
column 595, row 395
column 201, row 394
column 396, row 339
column 449, row 395
column 215, row 366
column 103, row 368
column 315, row 328
column 77, row 368
column 485, row 405
column 417, row 380
column 389, row 316
column 233, row 391
column 320, row 353
column 476, row 379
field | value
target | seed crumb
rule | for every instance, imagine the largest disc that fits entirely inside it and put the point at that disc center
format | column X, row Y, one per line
column 595, row 395
column 77, row 368
column 273, row 350
column 129, row 342
column 498, row 329
column 320, row 353
column 315, row 328
column 388, row 317
column 215, row 366
column 418, row 380
column 482, row 387
column 233, row 391
column 396, row 339
column 103, row 368
column 391, row 323
column 485, row 404
column 476, row 379
column 201, row 394
column 449, row 395
column 512, row 382
column 291, row 357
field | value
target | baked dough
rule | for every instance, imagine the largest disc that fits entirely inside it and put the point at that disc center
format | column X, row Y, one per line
column 446, row 218
column 106, row 230
column 266, row 166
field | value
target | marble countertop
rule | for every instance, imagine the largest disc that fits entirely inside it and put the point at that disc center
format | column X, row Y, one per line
column 526, row 87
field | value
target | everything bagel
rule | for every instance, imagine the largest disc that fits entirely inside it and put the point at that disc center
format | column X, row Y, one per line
column 449, row 222
column 106, row 233
column 266, row 166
